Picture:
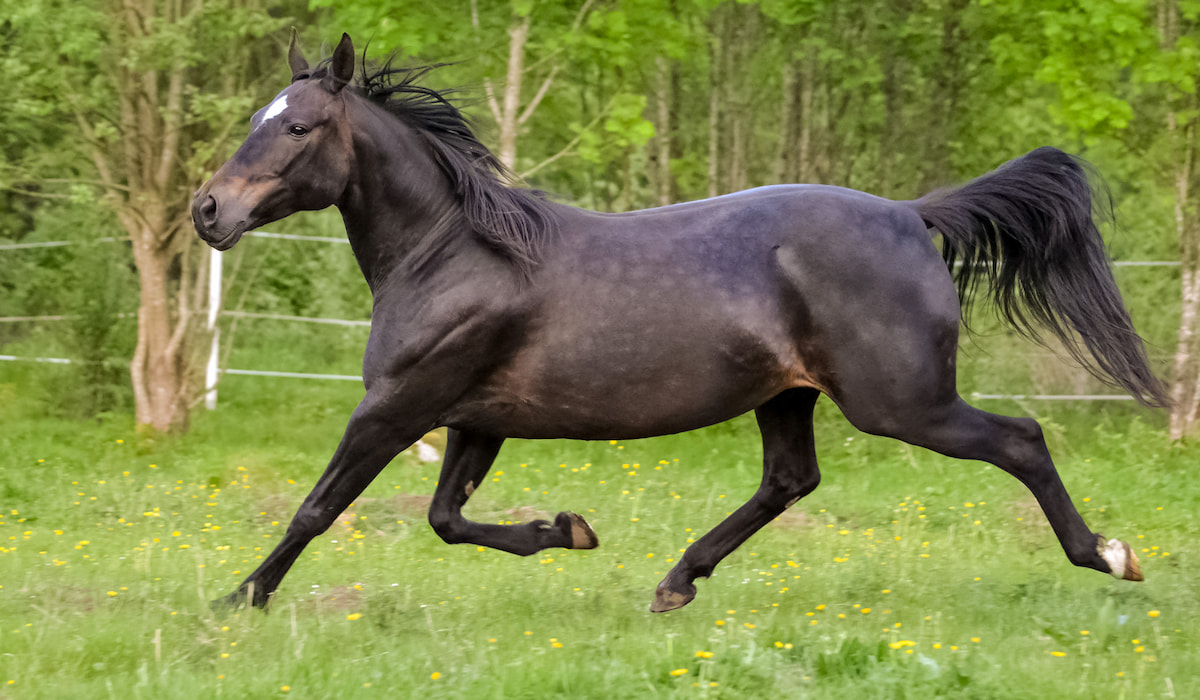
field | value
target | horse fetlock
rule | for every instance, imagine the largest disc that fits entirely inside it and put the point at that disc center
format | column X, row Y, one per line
column 252, row 592
column 1121, row 559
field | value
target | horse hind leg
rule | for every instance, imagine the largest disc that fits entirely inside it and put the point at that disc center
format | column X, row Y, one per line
column 789, row 473
column 468, row 458
column 1015, row 445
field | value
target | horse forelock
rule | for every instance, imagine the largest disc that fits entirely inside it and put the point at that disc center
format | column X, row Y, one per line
column 514, row 221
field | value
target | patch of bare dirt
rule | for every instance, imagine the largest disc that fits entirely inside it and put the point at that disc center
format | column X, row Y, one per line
column 796, row 520
column 338, row 598
column 524, row 514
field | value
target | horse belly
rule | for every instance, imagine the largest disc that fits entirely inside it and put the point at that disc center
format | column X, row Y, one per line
column 631, row 380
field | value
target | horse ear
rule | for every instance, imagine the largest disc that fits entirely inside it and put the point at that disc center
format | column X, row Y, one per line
column 341, row 67
column 296, row 57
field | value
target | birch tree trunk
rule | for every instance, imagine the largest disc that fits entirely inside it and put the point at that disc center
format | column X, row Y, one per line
column 1185, row 389
column 508, row 112
column 518, row 35
column 1181, row 127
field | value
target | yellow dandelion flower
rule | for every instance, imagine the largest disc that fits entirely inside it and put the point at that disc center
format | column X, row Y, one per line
column 353, row 616
column 1154, row 613
column 435, row 675
column 704, row 654
column 679, row 672
column 1058, row 653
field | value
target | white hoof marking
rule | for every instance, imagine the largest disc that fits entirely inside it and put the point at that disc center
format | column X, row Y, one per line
column 1113, row 553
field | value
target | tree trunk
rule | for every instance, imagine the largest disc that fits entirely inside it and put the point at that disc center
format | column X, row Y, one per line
column 518, row 35
column 716, row 65
column 158, row 370
column 144, row 167
column 949, row 88
column 153, row 212
column 665, row 190
column 509, row 114
column 1185, row 389
column 803, row 169
column 785, row 151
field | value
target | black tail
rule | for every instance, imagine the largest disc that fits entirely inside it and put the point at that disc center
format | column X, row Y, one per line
column 1028, row 227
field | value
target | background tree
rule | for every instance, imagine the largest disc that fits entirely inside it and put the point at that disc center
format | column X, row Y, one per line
column 149, row 92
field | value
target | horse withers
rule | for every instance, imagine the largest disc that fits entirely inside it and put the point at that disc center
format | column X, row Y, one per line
column 500, row 313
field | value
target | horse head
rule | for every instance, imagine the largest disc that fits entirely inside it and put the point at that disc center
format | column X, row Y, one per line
column 298, row 156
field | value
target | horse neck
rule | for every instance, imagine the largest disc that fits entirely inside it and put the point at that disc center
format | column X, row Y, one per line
column 400, row 207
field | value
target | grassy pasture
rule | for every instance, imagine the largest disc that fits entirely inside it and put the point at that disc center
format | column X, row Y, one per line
column 904, row 575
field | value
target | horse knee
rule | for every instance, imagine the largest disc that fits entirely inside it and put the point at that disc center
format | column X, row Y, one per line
column 310, row 522
column 805, row 484
column 786, row 489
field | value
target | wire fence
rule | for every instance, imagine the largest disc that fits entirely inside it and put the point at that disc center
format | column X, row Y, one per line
column 366, row 323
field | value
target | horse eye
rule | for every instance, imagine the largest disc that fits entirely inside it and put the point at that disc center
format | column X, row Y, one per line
column 297, row 130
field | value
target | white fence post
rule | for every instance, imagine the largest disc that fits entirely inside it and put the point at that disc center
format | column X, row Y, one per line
column 211, row 372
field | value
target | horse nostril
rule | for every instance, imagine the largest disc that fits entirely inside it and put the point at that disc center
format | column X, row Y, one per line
column 208, row 211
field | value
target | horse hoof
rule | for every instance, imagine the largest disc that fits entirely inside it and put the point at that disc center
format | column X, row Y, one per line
column 666, row 599
column 228, row 604
column 582, row 534
column 1122, row 562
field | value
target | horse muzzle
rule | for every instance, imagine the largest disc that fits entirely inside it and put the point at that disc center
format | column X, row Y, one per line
column 219, row 221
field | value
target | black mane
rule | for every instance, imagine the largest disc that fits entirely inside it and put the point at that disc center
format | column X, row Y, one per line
column 512, row 220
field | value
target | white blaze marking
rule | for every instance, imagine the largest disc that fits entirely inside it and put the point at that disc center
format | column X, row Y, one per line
column 276, row 108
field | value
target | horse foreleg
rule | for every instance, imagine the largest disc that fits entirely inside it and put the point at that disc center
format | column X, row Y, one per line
column 789, row 473
column 370, row 442
column 468, row 458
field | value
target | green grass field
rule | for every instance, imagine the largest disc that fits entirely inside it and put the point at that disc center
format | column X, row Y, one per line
column 905, row 575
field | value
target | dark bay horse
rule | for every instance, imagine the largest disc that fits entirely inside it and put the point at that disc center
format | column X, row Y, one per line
column 499, row 313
